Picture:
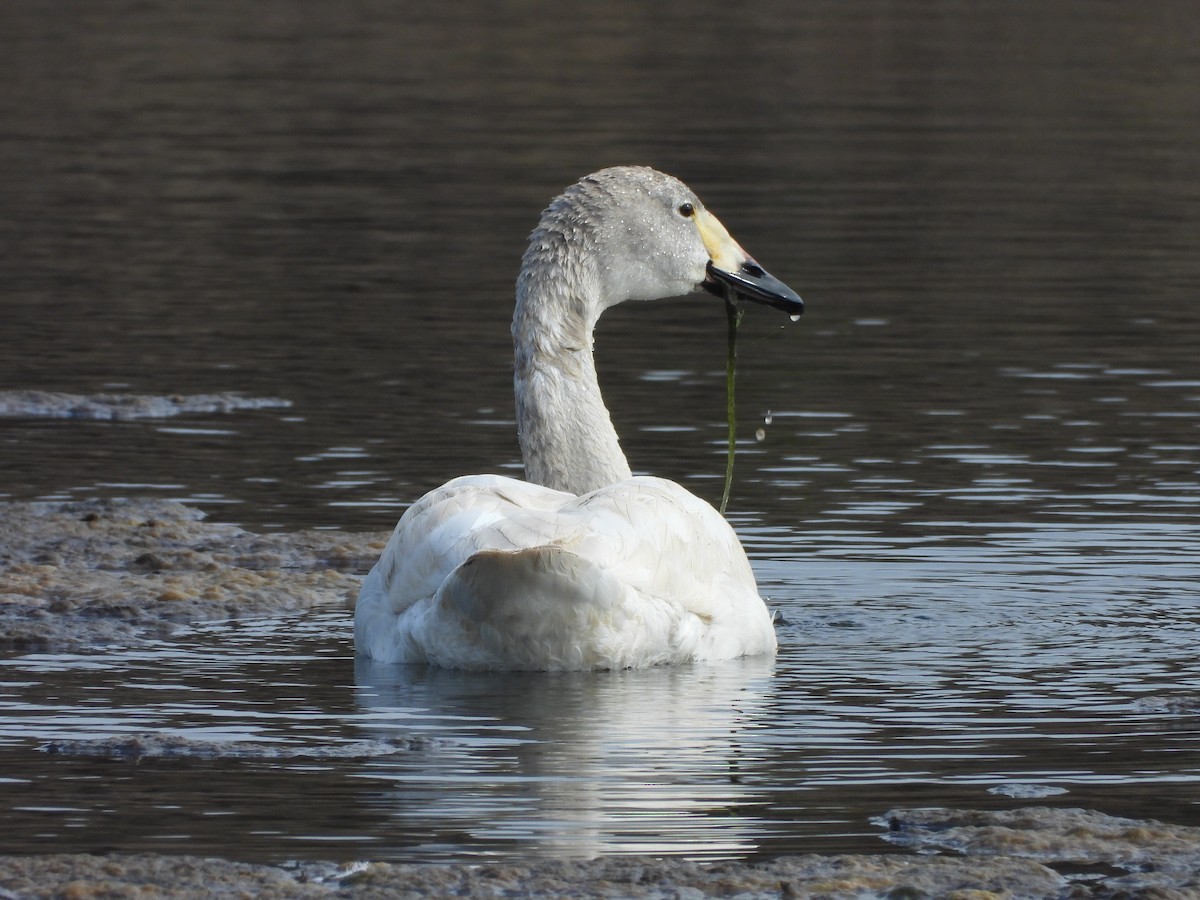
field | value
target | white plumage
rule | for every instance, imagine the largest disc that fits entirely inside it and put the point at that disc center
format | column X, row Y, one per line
column 588, row 567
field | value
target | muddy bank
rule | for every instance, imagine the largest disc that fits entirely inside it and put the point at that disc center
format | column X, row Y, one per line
column 1034, row 852
column 83, row 575
column 97, row 573
column 136, row 747
column 804, row 876
column 1111, row 855
column 1077, row 835
column 122, row 407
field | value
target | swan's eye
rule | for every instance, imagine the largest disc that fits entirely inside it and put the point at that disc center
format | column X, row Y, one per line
column 686, row 210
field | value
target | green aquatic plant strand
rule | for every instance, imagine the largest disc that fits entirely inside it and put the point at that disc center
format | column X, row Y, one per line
column 733, row 317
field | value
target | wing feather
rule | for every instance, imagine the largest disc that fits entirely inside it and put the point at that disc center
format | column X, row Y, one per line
column 490, row 572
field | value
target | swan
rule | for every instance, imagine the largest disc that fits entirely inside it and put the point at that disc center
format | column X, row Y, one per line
column 583, row 565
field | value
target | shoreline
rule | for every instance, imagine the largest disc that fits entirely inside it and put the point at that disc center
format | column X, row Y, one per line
column 1083, row 855
column 144, row 875
column 88, row 575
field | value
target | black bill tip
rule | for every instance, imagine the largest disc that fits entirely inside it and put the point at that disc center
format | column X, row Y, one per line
column 752, row 282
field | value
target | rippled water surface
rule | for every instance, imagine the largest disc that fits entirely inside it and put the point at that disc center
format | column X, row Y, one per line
column 975, row 498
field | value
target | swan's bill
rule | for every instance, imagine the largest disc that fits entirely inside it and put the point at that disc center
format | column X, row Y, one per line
column 730, row 268
column 752, row 282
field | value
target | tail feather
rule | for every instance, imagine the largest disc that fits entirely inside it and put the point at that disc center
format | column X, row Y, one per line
column 548, row 607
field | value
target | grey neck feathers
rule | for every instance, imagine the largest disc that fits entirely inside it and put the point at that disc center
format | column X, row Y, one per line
column 567, row 438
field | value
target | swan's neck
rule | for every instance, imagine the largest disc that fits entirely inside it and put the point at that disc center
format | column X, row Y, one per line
column 567, row 438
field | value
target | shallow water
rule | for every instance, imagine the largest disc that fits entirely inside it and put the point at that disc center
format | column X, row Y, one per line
column 861, row 711
column 976, row 502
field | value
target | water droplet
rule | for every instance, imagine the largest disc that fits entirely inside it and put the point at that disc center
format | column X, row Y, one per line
column 761, row 434
column 767, row 418
column 795, row 318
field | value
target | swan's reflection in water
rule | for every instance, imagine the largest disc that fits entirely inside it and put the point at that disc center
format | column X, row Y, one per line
column 578, row 764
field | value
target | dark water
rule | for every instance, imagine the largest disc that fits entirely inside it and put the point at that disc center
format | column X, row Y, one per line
column 976, row 502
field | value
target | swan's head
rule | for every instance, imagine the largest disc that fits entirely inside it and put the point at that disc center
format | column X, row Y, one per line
column 649, row 236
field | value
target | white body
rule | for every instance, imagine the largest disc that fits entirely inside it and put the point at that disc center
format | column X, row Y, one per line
column 489, row 572
column 587, row 567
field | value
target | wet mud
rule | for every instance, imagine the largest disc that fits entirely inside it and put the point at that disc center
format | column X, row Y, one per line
column 93, row 574
column 87, row 575
column 1144, row 857
column 1035, row 852
column 155, row 744
column 805, row 876
column 121, row 407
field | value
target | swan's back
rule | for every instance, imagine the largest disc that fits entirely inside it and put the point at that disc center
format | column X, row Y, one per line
column 491, row 573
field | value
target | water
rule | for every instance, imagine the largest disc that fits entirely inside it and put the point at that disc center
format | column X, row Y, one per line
column 932, row 701
column 976, row 504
